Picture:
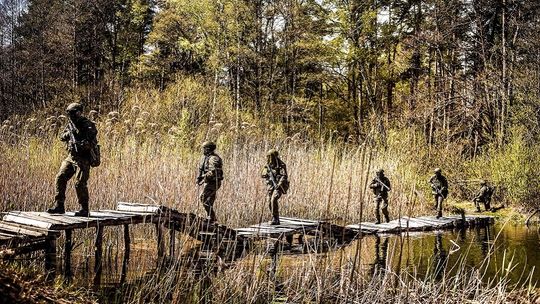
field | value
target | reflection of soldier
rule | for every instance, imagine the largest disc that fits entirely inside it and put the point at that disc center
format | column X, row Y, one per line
column 483, row 196
column 80, row 136
column 380, row 186
column 440, row 257
column 275, row 173
column 381, row 251
column 210, row 177
column 439, row 187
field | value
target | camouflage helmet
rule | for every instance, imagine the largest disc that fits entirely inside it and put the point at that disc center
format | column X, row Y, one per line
column 272, row 152
column 438, row 170
column 379, row 171
column 209, row 145
column 74, row 107
column 483, row 182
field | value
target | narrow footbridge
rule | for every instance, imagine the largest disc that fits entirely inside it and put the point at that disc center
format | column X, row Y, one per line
column 23, row 232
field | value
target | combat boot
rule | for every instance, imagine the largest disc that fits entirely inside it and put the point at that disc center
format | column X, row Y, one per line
column 58, row 209
column 84, row 211
column 275, row 221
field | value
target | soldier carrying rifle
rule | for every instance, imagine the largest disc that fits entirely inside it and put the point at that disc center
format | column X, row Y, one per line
column 439, row 189
column 80, row 136
column 483, row 196
column 275, row 173
column 381, row 186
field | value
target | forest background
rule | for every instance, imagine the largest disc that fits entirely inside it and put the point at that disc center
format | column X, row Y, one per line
column 417, row 83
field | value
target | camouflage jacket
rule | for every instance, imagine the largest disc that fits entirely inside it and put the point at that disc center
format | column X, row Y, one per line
column 484, row 194
column 210, row 168
column 439, row 185
column 378, row 188
column 85, row 137
column 279, row 172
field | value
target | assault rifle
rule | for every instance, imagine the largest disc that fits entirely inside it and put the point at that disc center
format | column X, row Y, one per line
column 382, row 184
column 72, row 140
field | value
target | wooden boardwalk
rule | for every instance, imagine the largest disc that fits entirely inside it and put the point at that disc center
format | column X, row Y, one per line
column 423, row 223
column 25, row 232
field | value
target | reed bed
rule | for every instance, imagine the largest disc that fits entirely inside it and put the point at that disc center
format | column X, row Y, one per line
column 148, row 163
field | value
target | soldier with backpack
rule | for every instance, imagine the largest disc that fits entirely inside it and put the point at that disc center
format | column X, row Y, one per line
column 80, row 136
column 275, row 173
column 483, row 196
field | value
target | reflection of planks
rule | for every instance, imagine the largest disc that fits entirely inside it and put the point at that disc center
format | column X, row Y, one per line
column 423, row 223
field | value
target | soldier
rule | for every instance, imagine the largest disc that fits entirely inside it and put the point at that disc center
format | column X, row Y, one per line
column 439, row 187
column 381, row 186
column 483, row 196
column 80, row 136
column 210, row 177
column 275, row 173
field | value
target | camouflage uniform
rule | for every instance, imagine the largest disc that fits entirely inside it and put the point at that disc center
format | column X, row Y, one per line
column 275, row 167
column 210, row 176
column 380, row 186
column 77, row 163
column 439, row 187
column 483, row 196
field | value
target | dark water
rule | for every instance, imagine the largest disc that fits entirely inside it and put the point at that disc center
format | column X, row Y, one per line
column 502, row 251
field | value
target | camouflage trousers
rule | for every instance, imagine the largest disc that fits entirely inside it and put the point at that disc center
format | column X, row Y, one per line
column 439, row 199
column 208, row 197
column 273, row 196
column 487, row 204
column 381, row 205
column 80, row 168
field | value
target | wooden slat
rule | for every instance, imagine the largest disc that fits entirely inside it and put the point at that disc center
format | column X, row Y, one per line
column 62, row 218
column 135, row 207
column 19, row 219
column 17, row 230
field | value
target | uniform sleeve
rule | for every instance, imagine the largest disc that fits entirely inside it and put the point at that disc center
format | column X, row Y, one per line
column 214, row 164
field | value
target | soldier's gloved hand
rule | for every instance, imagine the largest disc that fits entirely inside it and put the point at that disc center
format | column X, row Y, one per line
column 199, row 180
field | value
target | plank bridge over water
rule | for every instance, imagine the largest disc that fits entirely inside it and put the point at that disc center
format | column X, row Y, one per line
column 24, row 232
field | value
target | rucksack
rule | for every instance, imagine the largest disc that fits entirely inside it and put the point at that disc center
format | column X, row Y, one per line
column 95, row 155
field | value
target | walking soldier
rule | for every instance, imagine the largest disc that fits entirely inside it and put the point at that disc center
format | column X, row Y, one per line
column 381, row 186
column 275, row 173
column 210, row 177
column 439, row 189
column 80, row 136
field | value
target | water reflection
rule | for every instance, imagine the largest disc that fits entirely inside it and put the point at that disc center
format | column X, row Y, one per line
column 440, row 257
column 381, row 250
column 489, row 250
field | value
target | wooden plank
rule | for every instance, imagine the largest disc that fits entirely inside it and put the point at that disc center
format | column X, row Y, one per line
column 29, row 230
column 50, row 257
column 27, row 221
column 127, row 251
column 135, row 207
column 61, row 218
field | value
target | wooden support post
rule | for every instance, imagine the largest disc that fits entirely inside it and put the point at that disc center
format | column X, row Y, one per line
column 172, row 243
column 68, row 246
column 127, row 251
column 98, row 255
column 160, row 245
column 50, row 257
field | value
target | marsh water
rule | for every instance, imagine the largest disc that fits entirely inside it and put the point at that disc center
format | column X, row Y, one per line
column 504, row 251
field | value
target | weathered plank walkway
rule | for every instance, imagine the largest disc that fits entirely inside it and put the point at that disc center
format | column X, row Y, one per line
column 423, row 223
column 24, row 232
